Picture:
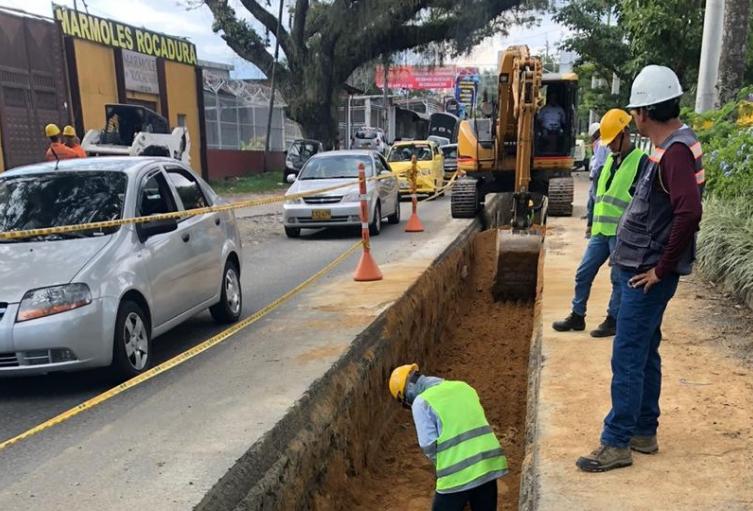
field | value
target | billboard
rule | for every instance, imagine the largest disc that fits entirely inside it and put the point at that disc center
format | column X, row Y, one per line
column 417, row 77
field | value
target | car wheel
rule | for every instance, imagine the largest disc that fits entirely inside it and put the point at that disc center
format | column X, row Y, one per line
column 132, row 342
column 375, row 227
column 228, row 309
column 292, row 232
column 394, row 218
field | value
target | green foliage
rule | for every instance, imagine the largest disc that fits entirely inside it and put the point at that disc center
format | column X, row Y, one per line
column 725, row 243
column 260, row 183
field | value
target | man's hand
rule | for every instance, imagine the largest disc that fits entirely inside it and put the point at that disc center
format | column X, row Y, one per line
column 645, row 280
column 588, row 232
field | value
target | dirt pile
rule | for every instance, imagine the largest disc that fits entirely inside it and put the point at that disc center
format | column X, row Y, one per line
column 486, row 345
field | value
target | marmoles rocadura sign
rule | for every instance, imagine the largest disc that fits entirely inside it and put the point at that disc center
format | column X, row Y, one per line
column 119, row 35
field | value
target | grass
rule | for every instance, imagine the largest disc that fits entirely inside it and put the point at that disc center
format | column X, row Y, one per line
column 261, row 183
column 725, row 244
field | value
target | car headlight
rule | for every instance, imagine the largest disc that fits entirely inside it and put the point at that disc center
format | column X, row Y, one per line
column 293, row 202
column 47, row 301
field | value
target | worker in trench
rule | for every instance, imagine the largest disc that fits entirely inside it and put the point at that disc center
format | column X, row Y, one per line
column 655, row 245
column 615, row 184
column 454, row 434
column 57, row 150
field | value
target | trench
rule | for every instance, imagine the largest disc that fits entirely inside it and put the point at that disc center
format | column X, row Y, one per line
column 486, row 344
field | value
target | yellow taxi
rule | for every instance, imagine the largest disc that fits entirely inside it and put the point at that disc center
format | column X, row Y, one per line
column 430, row 163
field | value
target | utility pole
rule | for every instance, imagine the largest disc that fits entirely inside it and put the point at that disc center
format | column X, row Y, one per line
column 272, row 87
column 711, row 50
column 385, row 102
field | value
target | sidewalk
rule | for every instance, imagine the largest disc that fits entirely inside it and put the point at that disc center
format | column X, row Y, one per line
column 706, row 456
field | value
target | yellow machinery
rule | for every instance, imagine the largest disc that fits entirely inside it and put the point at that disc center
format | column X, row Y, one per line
column 513, row 151
column 526, row 154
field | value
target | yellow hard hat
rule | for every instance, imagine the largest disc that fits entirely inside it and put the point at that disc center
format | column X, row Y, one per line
column 399, row 380
column 51, row 130
column 612, row 124
column 69, row 131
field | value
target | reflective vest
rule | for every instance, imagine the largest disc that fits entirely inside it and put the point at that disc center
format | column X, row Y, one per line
column 644, row 229
column 468, row 453
column 611, row 202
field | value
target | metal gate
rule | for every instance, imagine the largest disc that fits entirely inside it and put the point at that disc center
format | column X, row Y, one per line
column 33, row 86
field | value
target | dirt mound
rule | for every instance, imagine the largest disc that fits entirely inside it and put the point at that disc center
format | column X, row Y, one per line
column 487, row 346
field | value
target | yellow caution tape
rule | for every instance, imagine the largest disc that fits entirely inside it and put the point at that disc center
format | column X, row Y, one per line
column 179, row 359
column 109, row 224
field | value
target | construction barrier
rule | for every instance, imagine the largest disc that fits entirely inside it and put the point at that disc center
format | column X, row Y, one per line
column 414, row 223
column 367, row 269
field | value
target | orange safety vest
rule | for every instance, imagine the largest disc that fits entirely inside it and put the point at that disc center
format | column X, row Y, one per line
column 59, row 151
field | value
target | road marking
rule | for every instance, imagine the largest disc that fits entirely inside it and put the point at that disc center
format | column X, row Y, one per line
column 183, row 357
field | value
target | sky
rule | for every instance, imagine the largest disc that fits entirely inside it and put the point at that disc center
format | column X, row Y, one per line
column 174, row 18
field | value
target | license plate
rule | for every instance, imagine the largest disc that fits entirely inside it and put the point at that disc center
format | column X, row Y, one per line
column 321, row 214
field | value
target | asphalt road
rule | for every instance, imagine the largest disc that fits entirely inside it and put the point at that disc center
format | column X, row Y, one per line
column 272, row 265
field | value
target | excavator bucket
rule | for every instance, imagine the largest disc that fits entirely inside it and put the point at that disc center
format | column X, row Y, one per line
column 517, row 273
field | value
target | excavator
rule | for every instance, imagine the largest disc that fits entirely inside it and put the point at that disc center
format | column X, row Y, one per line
column 527, row 157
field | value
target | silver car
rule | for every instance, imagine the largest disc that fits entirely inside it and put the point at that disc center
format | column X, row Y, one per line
column 341, row 207
column 98, row 298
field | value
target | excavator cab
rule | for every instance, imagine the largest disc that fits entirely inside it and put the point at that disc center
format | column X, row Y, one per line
column 555, row 121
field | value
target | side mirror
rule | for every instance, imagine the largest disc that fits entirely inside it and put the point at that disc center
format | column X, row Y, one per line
column 149, row 229
column 290, row 178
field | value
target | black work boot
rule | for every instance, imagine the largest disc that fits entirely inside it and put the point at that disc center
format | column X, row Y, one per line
column 644, row 444
column 605, row 458
column 606, row 329
column 573, row 322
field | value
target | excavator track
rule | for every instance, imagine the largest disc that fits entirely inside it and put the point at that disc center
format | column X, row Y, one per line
column 464, row 202
column 561, row 196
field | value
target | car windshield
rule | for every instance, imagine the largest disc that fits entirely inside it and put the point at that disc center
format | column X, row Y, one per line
column 450, row 152
column 406, row 152
column 336, row 167
column 302, row 150
column 38, row 201
column 368, row 134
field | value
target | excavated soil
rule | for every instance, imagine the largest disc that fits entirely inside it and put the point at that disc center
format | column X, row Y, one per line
column 488, row 347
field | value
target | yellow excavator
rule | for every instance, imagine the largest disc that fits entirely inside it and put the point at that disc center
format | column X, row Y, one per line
column 525, row 152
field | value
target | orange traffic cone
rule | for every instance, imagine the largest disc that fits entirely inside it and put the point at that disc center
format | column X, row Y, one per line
column 367, row 269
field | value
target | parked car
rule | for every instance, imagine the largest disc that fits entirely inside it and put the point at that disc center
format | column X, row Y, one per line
column 430, row 164
column 341, row 207
column 370, row 138
column 85, row 299
column 298, row 154
column 450, row 153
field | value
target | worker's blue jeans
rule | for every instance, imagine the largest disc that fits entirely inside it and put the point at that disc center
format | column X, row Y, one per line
column 636, row 364
column 597, row 253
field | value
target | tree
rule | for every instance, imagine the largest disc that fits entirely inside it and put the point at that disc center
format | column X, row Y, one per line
column 622, row 36
column 326, row 42
column 734, row 44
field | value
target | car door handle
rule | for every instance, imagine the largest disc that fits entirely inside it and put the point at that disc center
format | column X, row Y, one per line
column 186, row 237
column 217, row 221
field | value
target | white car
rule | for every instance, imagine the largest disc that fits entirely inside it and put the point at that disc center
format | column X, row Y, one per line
column 341, row 207
column 96, row 298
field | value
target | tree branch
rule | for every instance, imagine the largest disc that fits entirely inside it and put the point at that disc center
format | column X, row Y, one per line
column 243, row 39
column 299, row 22
column 269, row 21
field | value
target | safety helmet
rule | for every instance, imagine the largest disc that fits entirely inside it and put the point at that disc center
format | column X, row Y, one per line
column 593, row 129
column 51, row 130
column 613, row 122
column 654, row 85
column 69, row 131
column 399, row 380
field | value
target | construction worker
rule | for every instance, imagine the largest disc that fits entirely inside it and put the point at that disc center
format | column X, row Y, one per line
column 71, row 140
column 655, row 245
column 57, row 149
column 615, row 183
column 599, row 156
column 454, row 434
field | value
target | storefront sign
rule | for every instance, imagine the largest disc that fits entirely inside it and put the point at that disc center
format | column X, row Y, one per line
column 119, row 35
column 140, row 72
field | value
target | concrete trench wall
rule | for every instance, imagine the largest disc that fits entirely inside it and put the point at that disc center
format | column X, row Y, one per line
column 325, row 434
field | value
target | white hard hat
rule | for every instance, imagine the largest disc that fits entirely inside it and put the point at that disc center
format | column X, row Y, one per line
column 654, row 85
column 593, row 128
